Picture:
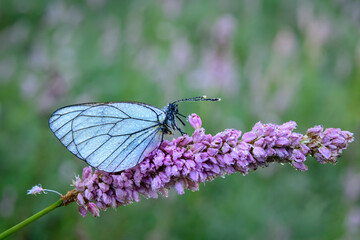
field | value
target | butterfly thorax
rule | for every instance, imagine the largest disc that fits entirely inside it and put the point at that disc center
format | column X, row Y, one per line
column 169, row 124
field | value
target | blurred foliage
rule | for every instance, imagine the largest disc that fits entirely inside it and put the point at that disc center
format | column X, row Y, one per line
column 269, row 61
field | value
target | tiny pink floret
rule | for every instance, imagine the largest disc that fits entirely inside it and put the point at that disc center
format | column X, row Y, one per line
column 37, row 189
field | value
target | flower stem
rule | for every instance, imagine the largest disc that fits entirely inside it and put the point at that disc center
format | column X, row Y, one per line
column 31, row 219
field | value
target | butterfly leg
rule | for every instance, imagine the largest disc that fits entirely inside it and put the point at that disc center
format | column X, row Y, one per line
column 182, row 133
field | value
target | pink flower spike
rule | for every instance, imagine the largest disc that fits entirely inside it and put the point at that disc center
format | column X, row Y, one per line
column 185, row 162
column 195, row 121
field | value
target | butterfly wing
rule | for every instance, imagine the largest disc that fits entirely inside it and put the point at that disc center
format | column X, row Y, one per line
column 109, row 136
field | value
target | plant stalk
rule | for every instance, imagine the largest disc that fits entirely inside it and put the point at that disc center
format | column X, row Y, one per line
column 31, row 219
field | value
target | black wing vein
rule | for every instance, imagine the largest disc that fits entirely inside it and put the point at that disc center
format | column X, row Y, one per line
column 114, row 151
column 147, row 145
column 155, row 131
column 103, row 124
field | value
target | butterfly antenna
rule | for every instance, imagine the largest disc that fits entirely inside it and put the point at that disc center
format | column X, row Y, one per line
column 197, row 99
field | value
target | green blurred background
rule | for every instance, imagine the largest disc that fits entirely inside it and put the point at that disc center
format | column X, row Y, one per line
column 269, row 61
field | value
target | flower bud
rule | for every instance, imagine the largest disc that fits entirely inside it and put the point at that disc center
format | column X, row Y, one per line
column 195, row 121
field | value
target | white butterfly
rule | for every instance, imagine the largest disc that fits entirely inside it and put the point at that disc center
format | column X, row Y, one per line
column 115, row 136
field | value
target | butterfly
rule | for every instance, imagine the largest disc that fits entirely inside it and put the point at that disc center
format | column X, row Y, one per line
column 115, row 136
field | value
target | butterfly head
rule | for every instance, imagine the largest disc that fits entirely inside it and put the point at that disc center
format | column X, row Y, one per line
column 172, row 113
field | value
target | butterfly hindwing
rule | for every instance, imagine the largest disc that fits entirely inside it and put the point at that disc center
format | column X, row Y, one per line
column 109, row 136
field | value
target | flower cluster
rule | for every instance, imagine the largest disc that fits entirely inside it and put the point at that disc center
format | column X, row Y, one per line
column 185, row 162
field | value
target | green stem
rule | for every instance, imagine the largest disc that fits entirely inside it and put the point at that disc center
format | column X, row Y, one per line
column 31, row 219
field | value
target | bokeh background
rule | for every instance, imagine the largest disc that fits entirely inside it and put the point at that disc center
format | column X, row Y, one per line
column 269, row 61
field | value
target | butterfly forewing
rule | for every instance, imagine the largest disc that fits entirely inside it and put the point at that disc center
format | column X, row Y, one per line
column 109, row 136
column 60, row 123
